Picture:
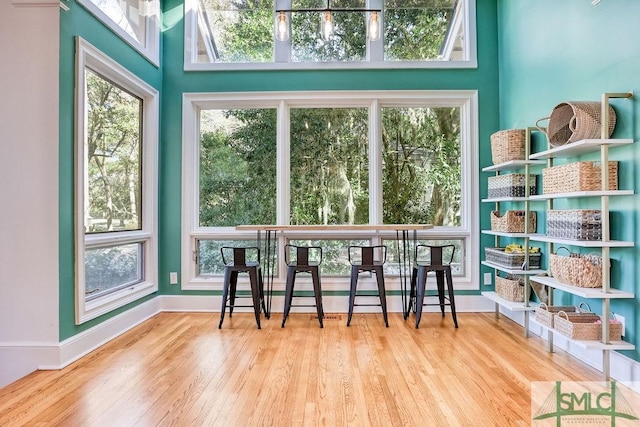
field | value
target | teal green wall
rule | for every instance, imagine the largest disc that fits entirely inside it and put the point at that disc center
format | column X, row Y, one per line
column 173, row 81
column 177, row 81
column 553, row 51
column 78, row 22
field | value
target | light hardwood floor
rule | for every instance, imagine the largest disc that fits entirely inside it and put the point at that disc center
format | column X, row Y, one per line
column 179, row 369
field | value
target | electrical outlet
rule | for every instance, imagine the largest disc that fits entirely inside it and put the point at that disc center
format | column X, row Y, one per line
column 621, row 320
column 173, row 278
column 487, row 278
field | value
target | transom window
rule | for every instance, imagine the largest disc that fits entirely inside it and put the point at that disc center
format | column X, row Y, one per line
column 136, row 21
column 223, row 34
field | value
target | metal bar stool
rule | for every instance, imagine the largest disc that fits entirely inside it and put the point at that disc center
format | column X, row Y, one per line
column 305, row 259
column 443, row 271
column 372, row 259
column 241, row 260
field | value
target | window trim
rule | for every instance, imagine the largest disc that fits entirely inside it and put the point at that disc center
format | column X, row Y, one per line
column 191, row 17
column 151, row 48
column 466, row 100
column 90, row 57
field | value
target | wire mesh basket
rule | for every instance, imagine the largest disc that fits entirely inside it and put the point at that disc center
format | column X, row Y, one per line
column 577, row 224
column 510, row 185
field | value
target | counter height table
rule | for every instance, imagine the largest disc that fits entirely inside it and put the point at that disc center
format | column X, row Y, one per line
column 402, row 239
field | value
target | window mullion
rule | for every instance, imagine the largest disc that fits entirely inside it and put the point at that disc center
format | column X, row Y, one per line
column 375, row 165
column 283, row 166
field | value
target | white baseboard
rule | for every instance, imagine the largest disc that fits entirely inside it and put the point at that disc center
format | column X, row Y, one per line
column 19, row 359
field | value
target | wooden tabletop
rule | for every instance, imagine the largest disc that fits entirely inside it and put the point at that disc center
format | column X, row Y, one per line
column 335, row 227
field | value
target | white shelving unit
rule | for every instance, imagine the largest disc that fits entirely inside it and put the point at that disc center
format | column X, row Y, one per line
column 514, row 165
column 606, row 293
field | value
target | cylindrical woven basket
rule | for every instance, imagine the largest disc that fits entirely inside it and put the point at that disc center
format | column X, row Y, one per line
column 576, row 120
column 586, row 326
column 507, row 145
column 512, row 222
column 581, row 270
column 510, row 288
column 578, row 176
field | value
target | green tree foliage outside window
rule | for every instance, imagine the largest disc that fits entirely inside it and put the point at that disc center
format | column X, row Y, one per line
column 237, row 167
column 329, row 166
column 422, row 171
column 113, row 157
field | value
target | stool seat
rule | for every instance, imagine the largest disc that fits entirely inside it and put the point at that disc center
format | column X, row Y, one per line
column 303, row 259
column 368, row 259
column 236, row 261
column 442, row 271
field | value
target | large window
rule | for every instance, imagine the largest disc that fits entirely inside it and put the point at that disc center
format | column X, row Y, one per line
column 135, row 21
column 231, row 34
column 322, row 159
column 116, row 185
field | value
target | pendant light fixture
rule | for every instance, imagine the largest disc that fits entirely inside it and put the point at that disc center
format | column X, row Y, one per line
column 327, row 24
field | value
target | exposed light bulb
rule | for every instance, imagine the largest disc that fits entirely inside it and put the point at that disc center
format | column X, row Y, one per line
column 374, row 27
column 327, row 25
column 282, row 27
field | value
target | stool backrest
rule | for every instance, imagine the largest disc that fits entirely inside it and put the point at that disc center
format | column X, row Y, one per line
column 240, row 256
column 303, row 256
column 435, row 254
column 367, row 255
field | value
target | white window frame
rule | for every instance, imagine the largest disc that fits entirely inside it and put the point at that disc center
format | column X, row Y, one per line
column 467, row 20
column 150, row 49
column 466, row 100
column 90, row 57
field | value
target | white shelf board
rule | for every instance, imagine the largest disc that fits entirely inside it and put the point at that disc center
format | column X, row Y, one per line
column 579, row 147
column 589, row 344
column 582, row 292
column 504, row 234
column 505, row 199
column 513, row 306
column 582, row 243
column 582, row 194
column 508, row 270
column 512, row 165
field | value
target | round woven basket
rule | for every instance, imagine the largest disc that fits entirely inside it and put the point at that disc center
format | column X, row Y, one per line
column 576, row 120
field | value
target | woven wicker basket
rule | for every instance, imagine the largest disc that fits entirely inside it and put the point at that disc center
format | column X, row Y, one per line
column 545, row 314
column 577, row 176
column 512, row 222
column 510, row 288
column 576, row 120
column 585, row 326
column 507, row 145
column 510, row 185
column 510, row 260
column 581, row 270
column 577, row 224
